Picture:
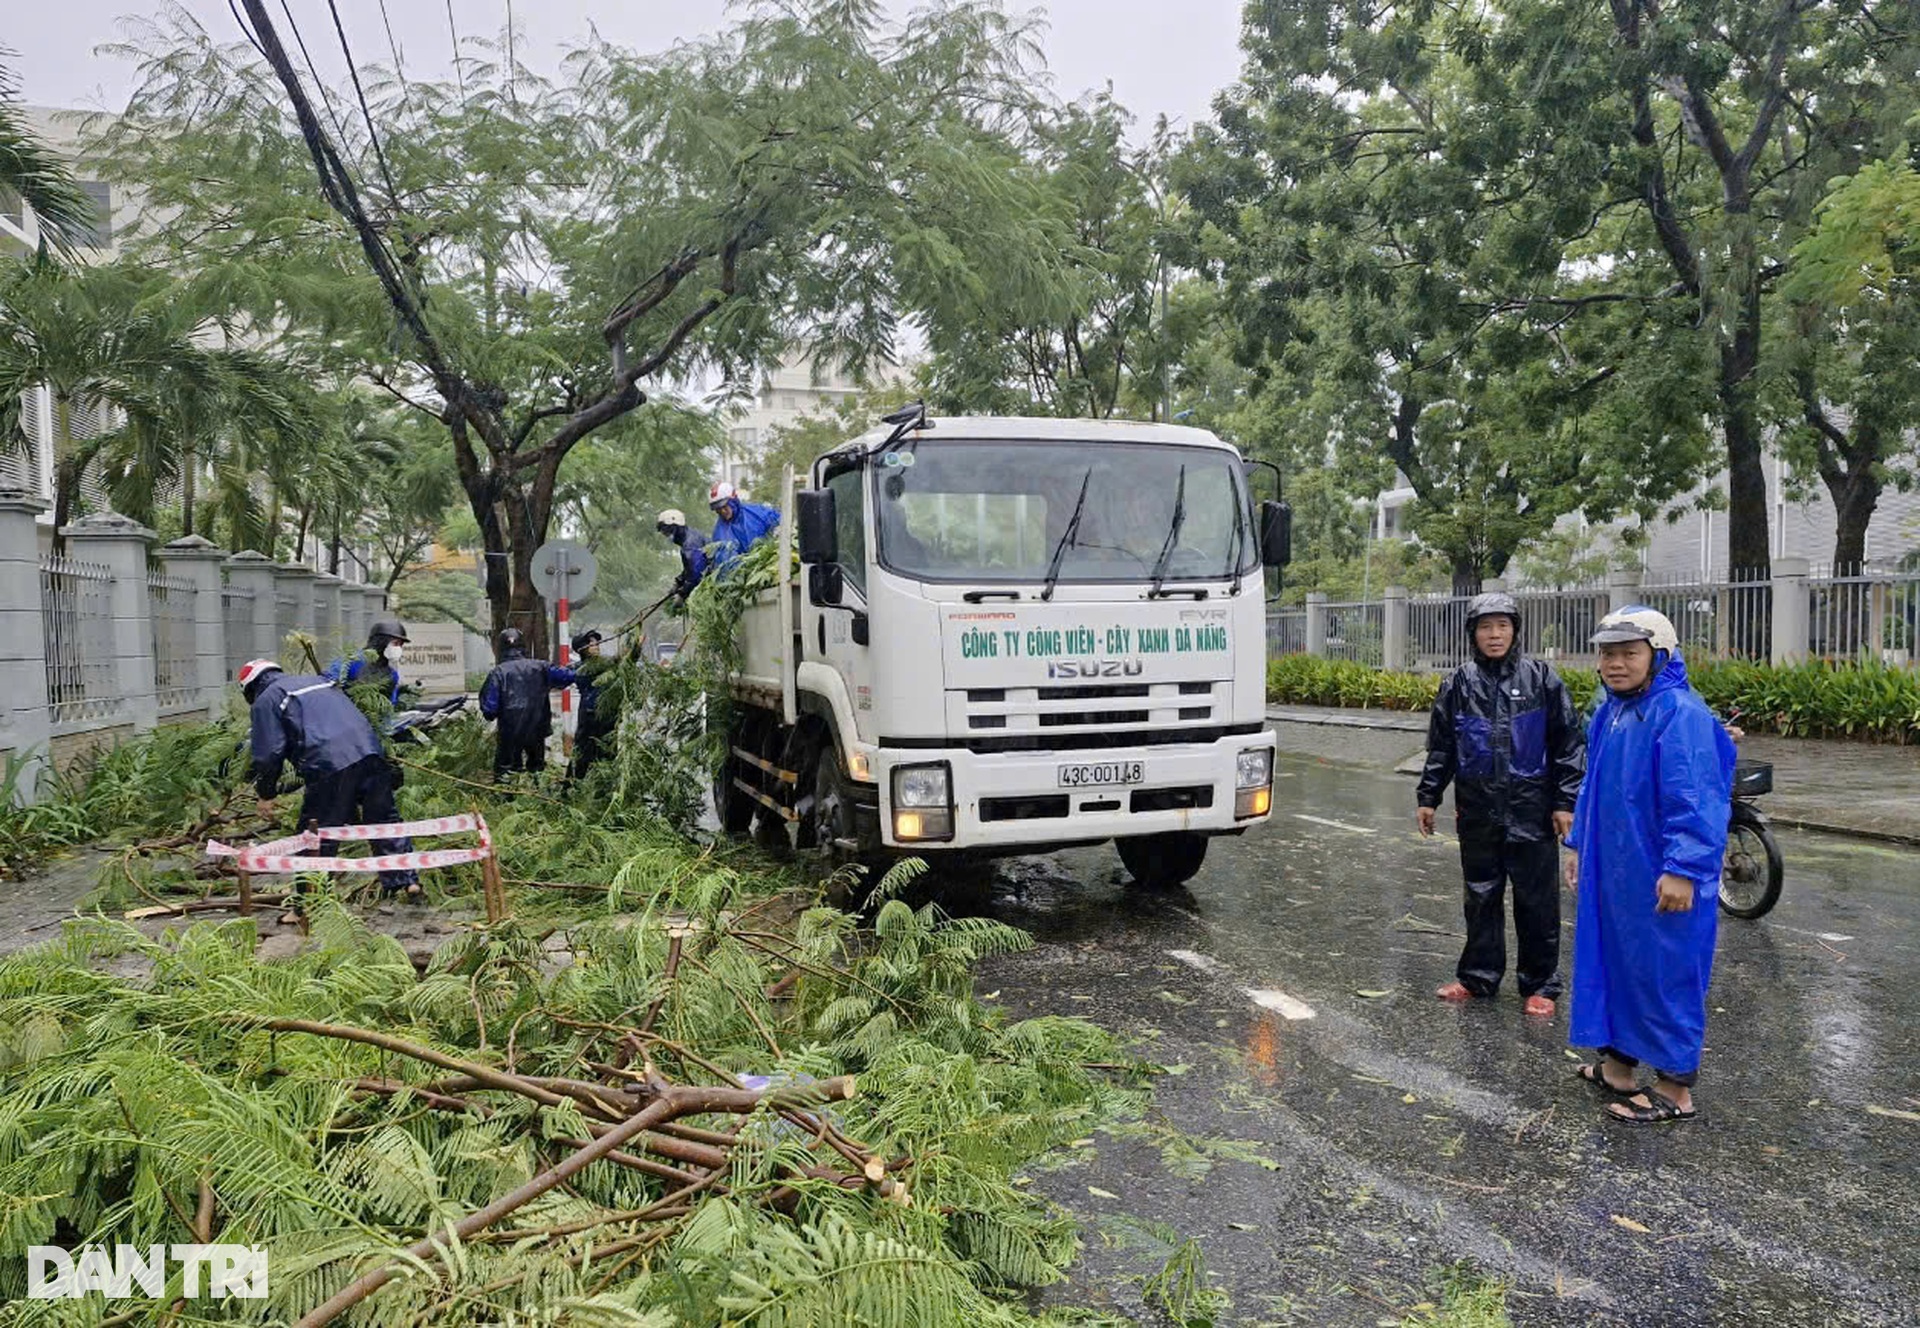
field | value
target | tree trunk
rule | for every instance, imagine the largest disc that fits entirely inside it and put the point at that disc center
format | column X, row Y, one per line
column 66, row 477
column 1467, row 578
column 1856, row 496
column 186, row 492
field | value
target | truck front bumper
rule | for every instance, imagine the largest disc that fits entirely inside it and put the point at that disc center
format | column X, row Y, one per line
column 1011, row 800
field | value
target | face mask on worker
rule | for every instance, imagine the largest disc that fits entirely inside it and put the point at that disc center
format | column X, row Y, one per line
column 395, row 652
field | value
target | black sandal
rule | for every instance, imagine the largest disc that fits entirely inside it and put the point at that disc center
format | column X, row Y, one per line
column 1591, row 1073
column 1659, row 1110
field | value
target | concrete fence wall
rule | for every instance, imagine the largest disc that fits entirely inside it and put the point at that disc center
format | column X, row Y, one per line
column 1791, row 614
column 117, row 636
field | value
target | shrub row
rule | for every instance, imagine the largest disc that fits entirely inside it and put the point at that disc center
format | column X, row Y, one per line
column 1868, row 701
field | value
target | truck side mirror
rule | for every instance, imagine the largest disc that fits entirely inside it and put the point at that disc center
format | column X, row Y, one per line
column 819, row 530
column 826, row 583
column 1276, row 534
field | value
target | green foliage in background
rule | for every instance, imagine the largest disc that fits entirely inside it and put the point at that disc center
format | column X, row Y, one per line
column 1869, row 701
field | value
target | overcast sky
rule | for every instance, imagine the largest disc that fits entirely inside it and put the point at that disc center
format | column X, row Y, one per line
column 1160, row 55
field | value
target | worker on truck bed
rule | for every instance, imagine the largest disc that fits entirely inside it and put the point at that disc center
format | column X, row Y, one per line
column 693, row 551
column 738, row 526
column 515, row 695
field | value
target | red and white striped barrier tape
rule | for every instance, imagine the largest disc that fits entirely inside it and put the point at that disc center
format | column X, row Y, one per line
column 439, row 857
column 282, row 855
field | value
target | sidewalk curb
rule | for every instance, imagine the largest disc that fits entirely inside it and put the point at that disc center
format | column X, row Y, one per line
column 1848, row 831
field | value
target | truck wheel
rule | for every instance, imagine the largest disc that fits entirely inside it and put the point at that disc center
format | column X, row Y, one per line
column 1163, row 861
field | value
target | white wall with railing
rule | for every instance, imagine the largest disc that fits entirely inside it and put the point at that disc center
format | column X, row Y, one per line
column 115, row 636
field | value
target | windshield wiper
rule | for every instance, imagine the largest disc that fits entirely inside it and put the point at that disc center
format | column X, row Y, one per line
column 1173, row 535
column 1066, row 537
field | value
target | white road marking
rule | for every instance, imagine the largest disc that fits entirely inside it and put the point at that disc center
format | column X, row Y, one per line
column 1205, row 963
column 1281, row 1004
column 1337, row 825
column 1834, row 936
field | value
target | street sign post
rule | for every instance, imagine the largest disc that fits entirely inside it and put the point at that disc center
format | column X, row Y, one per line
column 564, row 572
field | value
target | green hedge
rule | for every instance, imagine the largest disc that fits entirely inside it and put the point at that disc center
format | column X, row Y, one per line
column 1813, row 700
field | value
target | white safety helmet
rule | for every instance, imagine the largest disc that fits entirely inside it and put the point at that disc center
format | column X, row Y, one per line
column 722, row 492
column 1637, row 622
column 256, row 671
column 672, row 516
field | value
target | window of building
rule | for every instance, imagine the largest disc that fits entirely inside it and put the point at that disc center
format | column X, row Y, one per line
column 745, row 437
column 98, row 234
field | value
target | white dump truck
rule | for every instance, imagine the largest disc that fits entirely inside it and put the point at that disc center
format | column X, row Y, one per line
column 1011, row 636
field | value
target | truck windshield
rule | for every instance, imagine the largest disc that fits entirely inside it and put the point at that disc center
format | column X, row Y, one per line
column 997, row 511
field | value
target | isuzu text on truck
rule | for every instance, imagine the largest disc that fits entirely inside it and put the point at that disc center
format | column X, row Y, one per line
column 1010, row 636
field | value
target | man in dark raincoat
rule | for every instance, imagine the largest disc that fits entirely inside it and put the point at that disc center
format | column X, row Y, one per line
column 1649, row 835
column 1505, row 734
column 515, row 695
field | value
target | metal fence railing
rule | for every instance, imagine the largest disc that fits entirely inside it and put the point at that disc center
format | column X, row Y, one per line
column 286, row 618
column 1357, row 631
column 1286, row 631
column 1437, row 631
column 175, row 666
column 1864, row 614
column 1715, row 619
column 76, row 620
column 237, row 607
column 1558, row 625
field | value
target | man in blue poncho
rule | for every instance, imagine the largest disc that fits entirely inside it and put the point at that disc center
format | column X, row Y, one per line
column 738, row 525
column 1648, row 837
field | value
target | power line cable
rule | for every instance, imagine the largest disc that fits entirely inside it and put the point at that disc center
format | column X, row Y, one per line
column 458, row 72
column 399, row 68
column 325, row 97
column 373, row 134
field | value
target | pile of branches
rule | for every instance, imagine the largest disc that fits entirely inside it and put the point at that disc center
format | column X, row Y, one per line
column 175, row 784
column 726, row 1108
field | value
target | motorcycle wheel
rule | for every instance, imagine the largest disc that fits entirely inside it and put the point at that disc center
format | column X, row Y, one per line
column 1752, row 872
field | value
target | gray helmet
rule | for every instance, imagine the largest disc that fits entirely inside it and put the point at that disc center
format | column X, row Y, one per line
column 1494, row 602
column 391, row 629
column 512, row 639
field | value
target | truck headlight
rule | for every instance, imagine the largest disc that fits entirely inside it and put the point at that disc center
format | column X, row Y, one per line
column 922, row 802
column 1253, row 783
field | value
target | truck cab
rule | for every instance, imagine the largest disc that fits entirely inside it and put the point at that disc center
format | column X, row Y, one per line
column 1010, row 635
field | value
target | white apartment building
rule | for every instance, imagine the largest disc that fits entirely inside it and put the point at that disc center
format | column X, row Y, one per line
column 31, row 469
column 797, row 387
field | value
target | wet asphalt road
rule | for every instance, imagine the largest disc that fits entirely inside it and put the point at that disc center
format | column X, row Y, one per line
column 1378, row 1138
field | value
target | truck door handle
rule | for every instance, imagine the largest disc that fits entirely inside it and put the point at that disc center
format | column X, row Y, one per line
column 821, row 623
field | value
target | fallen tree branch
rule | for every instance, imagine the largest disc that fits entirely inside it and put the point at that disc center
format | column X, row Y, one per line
column 674, row 1102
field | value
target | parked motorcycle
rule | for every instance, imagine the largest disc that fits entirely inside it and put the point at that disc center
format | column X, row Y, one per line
column 422, row 717
column 1753, row 871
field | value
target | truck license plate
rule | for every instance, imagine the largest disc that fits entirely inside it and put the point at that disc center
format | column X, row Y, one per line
column 1109, row 772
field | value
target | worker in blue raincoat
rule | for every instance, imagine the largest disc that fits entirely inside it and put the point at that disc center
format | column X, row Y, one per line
column 1648, row 836
column 738, row 525
column 309, row 722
